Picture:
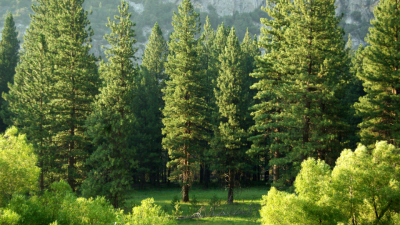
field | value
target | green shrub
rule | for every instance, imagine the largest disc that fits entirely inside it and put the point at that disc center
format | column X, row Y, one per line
column 8, row 217
column 61, row 205
column 18, row 170
column 362, row 187
column 148, row 214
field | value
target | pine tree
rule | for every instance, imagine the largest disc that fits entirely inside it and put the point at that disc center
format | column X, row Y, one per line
column 208, row 66
column 250, row 51
column 353, row 91
column 148, row 102
column 112, row 120
column 230, row 136
column 155, row 54
column 185, row 105
column 314, row 69
column 30, row 96
column 305, row 80
column 77, row 85
column 379, row 108
column 266, row 112
column 9, row 57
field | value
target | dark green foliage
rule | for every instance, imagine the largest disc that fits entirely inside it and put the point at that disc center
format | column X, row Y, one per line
column 112, row 121
column 30, row 97
column 9, row 57
column 75, row 73
column 185, row 105
column 304, row 65
column 269, row 105
column 147, row 108
column 380, row 73
column 230, row 94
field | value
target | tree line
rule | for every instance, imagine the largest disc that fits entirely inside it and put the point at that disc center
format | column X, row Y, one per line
column 201, row 105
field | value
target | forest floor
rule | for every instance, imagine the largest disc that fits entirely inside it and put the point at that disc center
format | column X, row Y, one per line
column 244, row 210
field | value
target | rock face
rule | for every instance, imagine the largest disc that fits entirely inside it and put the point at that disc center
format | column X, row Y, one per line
column 224, row 7
column 356, row 15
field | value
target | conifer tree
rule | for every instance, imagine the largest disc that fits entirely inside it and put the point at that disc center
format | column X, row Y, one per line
column 230, row 137
column 148, row 104
column 155, row 54
column 308, row 72
column 266, row 112
column 77, row 85
column 30, row 96
column 250, row 51
column 353, row 91
column 9, row 57
column 185, row 105
column 379, row 108
column 147, row 135
column 208, row 66
column 112, row 119
column 314, row 68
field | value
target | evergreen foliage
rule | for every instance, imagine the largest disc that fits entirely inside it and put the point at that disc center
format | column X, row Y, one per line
column 230, row 95
column 309, row 67
column 112, row 120
column 147, row 136
column 380, row 74
column 268, row 108
column 9, row 57
column 148, row 104
column 185, row 106
column 75, row 72
column 30, row 98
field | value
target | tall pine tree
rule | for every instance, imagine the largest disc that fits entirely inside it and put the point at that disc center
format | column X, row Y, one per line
column 30, row 97
column 148, row 104
column 112, row 120
column 266, row 111
column 185, row 105
column 305, row 81
column 9, row 57
column 77, row 85
column 379, row 108
column 208, row 66
column 230, row 137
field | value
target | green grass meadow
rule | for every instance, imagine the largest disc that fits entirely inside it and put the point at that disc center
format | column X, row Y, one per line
column 246, row 201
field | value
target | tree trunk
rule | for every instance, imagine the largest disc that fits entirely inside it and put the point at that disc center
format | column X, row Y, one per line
column 231, row 185
column 185, row 193
column 142, row 179
column 202, row 171
column 207, row 176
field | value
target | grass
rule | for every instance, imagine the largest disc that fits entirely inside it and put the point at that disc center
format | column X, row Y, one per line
column 245, row 200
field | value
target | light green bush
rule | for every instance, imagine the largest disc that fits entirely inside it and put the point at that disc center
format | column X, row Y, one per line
column 8, row 217
column 61, row 205
column 18, row 170
column 148, row 214
column 363, row 188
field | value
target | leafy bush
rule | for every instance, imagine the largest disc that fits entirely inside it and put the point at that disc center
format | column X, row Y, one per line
column 18, row 170
column 147, row 214
column 363, row 188
column 60, row 204
column 8, row 217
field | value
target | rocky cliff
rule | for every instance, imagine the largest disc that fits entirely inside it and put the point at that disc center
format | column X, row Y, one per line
column 356, row 16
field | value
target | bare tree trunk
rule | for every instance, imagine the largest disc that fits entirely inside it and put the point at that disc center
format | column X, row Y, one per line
column 231, row 177
column 185, row 193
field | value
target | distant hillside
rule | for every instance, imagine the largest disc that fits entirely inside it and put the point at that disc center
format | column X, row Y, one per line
column 239, row 13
